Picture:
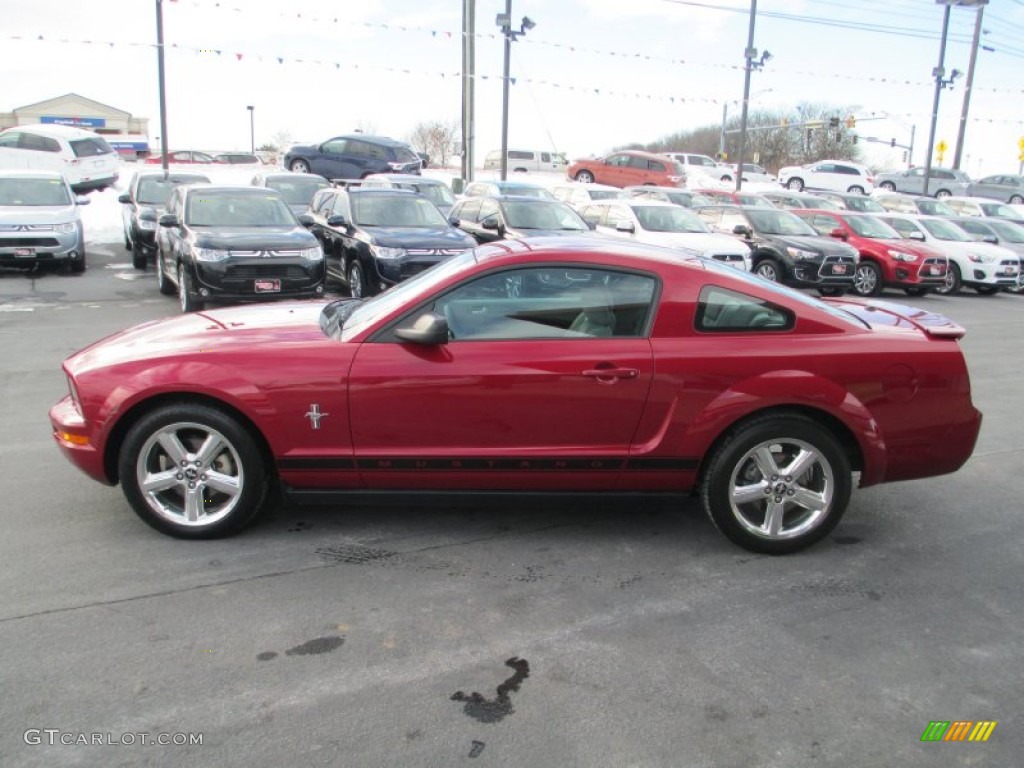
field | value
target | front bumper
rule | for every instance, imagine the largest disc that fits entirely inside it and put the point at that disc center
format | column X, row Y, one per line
column 392, row 271
column 26, row 249
column 832, row 271
column 75, row 441
column 1004, row 274
column 255, row 278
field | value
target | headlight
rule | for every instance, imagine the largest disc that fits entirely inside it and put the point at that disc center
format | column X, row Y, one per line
column 902, row 256
column 381, row 252
column 67, row 229
column 210, row 254
column 797, row 254
column 316, row 253
column 147, row 225
column 978, row 258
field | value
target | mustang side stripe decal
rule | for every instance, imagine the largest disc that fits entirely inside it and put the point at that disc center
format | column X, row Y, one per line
column 528, row 463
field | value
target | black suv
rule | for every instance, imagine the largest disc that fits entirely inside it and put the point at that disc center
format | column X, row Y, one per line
column 141, row 207
column 353, row 157
column 785, row 249
column 220, row 243
column 374, row 238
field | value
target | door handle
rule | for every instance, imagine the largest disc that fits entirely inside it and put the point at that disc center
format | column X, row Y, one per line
column 610, row 374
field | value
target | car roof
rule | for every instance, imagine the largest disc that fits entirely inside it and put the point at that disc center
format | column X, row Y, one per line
column 266, row 175
column 27, row 174
column 383, row 140
column 140, row 175
column 59, row 131
column 618, row 250
column 634, row 202
column 247, row 189
column 521, row 199
column 409, row 178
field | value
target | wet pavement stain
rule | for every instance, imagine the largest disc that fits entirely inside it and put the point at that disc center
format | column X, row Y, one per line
column 317, row 645
column 845, row 541
column 497, row 709
column 476, row 748
column 266, row 655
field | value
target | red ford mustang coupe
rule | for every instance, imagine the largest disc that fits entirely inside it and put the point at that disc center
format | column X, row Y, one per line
column 553, row 365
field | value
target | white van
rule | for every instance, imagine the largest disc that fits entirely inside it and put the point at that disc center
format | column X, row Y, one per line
column 522, row 160
column 84, row 157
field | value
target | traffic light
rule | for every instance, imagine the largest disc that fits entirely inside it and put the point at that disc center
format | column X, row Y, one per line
column 892, row 142
column 904, row 156
column 833, row 122
column 785, row 122
column 855, row 138
column 851, row 122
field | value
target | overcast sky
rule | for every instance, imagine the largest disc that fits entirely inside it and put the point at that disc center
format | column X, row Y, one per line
column 592, row 74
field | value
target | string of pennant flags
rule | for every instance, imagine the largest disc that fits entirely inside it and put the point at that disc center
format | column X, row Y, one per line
column 572, row 48
column 240, row 56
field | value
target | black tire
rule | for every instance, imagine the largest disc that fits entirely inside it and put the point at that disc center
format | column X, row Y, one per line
column 867, row 279
column 357, row 286
column 917, row 290
column 163, row 283
column 228, row 484
column 987, row 290
column 856, row 190
column 1016, row 199
column 298, row 166
column 782, row 438
column 943, row 193
column 769, row 270
column 77, row 266
column 187, row 297
column 887, row 185
column 832, row 290
column 139, row 260
column 796, row 184
column 585, row 177
column 953, row 281
column 127, row 243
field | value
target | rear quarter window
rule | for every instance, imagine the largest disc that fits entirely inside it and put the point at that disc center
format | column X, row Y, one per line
column 720, row 310
column 90, row 147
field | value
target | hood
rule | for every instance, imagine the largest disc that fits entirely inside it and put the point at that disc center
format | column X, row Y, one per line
column 218, row 330
column 38, row 214
column 955, row 249
column 286, row 238
column 825, row 245
column 890, row 315
column 519, row 232
column 420, row 237
column 702, row 242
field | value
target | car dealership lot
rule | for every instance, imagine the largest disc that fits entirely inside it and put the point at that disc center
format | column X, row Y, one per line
column 341, row 636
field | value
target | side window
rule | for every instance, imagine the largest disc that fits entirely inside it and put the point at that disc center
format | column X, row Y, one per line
column 545, row 157
column 654, row 165
column 823, row 225
column 549, row 303
column 10, row 139
column 616, row 213
column 34, row 142
column 824, row 168
column 476, row 190
column 592, row 214
column 514, row 154
column 620, row 161
column 849, row 170
column 720, row 310
column 334, row 147
column 341, row 206
column 470, row 211
column 730, row 220
column 488, row 208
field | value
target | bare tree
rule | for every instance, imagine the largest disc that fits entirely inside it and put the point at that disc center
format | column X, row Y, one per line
column 436, row 139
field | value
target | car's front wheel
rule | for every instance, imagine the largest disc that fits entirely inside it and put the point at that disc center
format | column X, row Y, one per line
column 139, row 259
column 299, row 166
column 953, row 281
column 796, row 184
column 1016, row 199
column 356, row 280
column 855, row 190
column 586, row 177
column 888, row 186
column 777, row 484
column 769, row 270
column 943, row 193
column 192, row 471
column 867, row 279
column 190, row 302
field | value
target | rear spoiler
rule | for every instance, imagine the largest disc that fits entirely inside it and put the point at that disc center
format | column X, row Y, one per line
column 930, row 323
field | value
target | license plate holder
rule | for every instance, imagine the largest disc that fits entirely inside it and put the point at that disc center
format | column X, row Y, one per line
column 267, row 285
column 24, row 252
column 838, row 269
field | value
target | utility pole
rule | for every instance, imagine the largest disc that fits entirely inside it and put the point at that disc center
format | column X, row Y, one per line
column 160, row 83
column 468, row 78
column 748, row 56
column 939, row 73
column 970, row 82
column 504, row 90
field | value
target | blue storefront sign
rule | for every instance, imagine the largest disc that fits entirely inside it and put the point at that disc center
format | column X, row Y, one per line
column 78, row 122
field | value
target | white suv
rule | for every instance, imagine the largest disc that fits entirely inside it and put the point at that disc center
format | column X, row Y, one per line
column 832, row 175
column 84, row 157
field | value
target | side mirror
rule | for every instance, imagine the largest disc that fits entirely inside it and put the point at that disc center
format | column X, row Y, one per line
column 916, row 236
column 454, row 221
column 337, row 220
column 430, row 328
column 169, row 220
column 990, row 239
column 492, row 223
column 82, row 200
column 592, row 224
column 624, row 226
column 839, row 233
column 125, row 198
column 306, row 220
column 742, row 229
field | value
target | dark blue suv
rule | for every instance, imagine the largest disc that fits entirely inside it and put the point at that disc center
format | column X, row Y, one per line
column 353, row 157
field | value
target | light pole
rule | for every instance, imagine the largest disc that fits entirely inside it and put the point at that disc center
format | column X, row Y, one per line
column 504, row 20
column 752, row 62
column 160, row 83
column 958, row 153
column 725, row 119
column 252, row 129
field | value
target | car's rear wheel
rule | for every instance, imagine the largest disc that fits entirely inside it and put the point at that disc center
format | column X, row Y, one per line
column 777, row 484
column 953, row 281
column 1016, row 199
column 298, row 166
column 190, row 302
column 585, row 177
column 77, row 266
column 856, row 190
column 917, row 290
column 867, row 279
column 192, row 471
column 888, row 185
column 357, row 288
column 769, row 270
column 796, row 184
column 943, row 193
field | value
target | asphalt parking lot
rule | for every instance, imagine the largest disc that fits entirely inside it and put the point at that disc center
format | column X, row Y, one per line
column 512, row 634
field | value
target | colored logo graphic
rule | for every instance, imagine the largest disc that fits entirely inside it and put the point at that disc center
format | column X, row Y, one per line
column 958, row 730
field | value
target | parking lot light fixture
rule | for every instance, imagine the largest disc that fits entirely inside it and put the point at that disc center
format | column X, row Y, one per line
column 252, row 129
column 504, row 21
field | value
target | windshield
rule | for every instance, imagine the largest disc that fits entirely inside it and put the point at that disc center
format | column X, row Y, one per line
column 371, row 310
column 778, row 223
column 395, row 210
column 438, row 194
column 529, row 214
column 755, row 200
column 218, row 209
column 869, row 226
column 298, row 191
column 603, row 194
column 1000, row 210
column 527, row 190
column 865, row 204
column 33, row 192
column 667, row 218
column 155, row 191
column 934, row 208
column 1007, row 230
column 944, row 230
column 689, row 199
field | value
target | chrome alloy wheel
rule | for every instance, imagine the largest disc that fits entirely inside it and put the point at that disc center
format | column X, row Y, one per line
column 865, row 280
column 781, row 489
column 190, row 474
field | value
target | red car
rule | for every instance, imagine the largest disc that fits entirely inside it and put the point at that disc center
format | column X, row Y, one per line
column 731, row 197
column 627, row 169
column 886, row 259
column 553, row 364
